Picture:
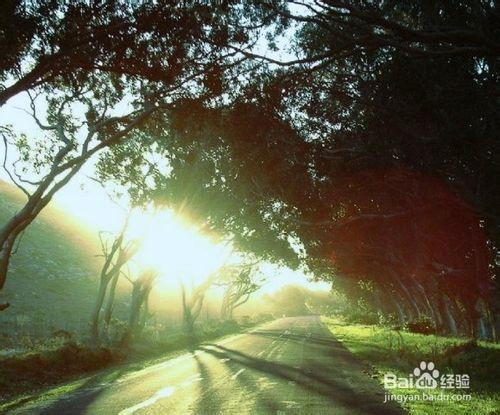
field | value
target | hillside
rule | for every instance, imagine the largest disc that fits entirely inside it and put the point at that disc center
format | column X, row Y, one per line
column 52, row 278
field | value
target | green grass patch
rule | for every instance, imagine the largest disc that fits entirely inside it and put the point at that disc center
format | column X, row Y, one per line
column 387, row 350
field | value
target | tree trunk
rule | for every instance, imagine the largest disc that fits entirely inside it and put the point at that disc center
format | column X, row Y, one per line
column 452, row 324
column 108, row 310
column 135, row 308
column 411, row 300
column 22, row 219
column 191, row 314
column 101, row 294
column 426, row 302
column 225, row 307
column 8, row 236
column 140, row 294
column 144, row 314
column 191, row 308
column 188, row 322
column 405, row 302
column 401, row 314
column 5, row 252
column 485, row 326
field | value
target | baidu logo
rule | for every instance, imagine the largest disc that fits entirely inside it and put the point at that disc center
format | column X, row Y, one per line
column 430, row 384
column 426, row 376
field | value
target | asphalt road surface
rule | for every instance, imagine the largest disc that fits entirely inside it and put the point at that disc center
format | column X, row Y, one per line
column 289, row 366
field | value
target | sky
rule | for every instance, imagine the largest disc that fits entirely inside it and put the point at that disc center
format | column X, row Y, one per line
column 189, row 253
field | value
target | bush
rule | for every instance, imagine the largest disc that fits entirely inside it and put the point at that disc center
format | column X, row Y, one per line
column 40, row 368
column 361, row 317
column 263, row 317
column 423, row 325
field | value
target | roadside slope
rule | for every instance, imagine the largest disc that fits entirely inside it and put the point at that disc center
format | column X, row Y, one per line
column 52, row 278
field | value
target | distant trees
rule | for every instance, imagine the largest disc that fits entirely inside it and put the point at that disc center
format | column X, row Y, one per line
column 294, row 300
column 239, row 283
column 192, row 303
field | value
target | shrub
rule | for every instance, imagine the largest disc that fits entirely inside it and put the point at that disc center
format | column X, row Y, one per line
column 40, row 368
column 423, row 325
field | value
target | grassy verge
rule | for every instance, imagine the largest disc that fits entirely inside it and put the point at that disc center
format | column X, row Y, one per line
column 400, row 352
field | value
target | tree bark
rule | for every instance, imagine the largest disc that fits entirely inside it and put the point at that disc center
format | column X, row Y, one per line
column 108, row 310
column 445, row 307
column 135, row 308
column 11, row 231
column 140, row 293
column 191, row 309
column 101, row 294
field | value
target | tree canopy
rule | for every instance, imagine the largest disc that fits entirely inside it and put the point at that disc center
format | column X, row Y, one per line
column 368, row 154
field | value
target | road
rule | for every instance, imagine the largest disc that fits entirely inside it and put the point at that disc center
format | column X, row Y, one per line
column 289, row 366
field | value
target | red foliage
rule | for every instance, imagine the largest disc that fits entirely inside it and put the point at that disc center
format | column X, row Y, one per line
column 409, row 225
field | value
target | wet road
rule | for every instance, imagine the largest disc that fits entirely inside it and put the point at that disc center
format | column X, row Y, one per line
column 289, row 366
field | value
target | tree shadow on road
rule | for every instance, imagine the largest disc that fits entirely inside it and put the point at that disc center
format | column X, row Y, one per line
column 311, row 339
column 329, row 385
column 262, row 402
column 206, row 403
column 84, row 396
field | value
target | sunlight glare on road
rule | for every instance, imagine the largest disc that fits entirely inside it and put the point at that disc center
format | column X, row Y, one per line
column 174, row 248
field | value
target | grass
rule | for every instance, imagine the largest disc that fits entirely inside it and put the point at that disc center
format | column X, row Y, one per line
column 387, row 350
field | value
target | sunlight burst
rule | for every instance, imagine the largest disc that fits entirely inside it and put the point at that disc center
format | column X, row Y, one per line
column 175, row 249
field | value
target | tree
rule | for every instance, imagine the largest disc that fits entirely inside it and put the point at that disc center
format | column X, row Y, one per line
column 147, row 56
column 227, row 169
column 239, row 283
column 336, row 30
column 417, row 242
column 47, row 43
column 290, row 300
column 400, row 87
column 55, row 161
column 375, row 87
column 141, row 287
column 115, row 255
column 192, row 303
